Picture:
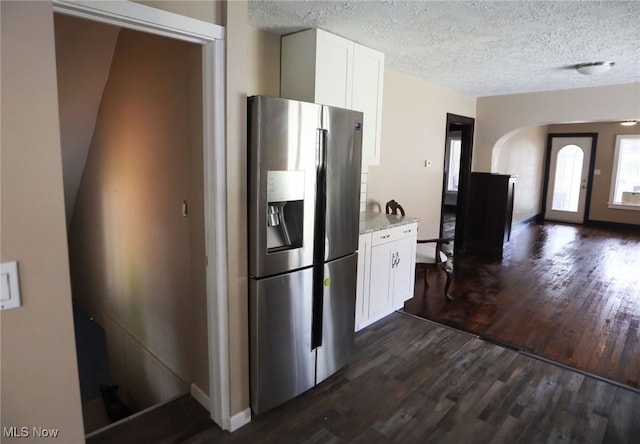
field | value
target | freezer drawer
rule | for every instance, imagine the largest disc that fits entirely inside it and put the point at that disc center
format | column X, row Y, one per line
column 338, row 316
column 282, row 364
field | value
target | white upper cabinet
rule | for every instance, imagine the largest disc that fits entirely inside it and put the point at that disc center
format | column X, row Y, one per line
column 334, row 70
column 366, row 96
column 321, row 67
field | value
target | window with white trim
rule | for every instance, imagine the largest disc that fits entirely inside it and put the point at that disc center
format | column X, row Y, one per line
column 625, row 180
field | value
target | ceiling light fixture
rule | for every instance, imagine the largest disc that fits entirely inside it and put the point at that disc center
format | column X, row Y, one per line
column 629, row 122
column 594, row 68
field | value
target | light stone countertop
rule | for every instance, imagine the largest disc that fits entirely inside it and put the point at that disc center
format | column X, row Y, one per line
column 371, row 221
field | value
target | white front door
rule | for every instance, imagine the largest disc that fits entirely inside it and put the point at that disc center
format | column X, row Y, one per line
column 568, row 177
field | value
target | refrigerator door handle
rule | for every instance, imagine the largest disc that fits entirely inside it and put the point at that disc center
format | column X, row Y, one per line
column 320, row 148
column 319, row 241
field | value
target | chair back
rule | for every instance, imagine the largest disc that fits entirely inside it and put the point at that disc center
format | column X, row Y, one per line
column 393, row 207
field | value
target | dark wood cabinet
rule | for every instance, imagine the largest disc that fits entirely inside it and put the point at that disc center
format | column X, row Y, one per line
column 490, row 212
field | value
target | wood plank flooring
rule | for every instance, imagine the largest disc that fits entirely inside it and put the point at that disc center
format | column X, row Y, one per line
column 565, row 292
column 413, row 381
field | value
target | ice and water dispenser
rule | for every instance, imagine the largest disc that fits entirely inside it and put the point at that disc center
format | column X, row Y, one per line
column 285, row 210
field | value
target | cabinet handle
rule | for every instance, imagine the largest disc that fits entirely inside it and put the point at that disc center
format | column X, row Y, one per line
column 407, row 231
column 385, row 236
column 395, row 259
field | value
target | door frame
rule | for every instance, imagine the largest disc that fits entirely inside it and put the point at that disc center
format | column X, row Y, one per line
column 547, row 165
column 212, row 39
column 467, row 125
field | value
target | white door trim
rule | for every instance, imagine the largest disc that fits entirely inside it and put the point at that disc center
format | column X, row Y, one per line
column 142, row 18
column 151, row 20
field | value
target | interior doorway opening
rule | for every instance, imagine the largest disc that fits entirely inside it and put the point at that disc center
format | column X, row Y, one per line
column 136, row 235
column 210, row 38
column 457, row 170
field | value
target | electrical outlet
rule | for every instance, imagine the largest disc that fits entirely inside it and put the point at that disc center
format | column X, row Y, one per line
column 9, row 286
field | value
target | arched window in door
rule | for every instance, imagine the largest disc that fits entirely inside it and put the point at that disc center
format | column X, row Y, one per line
column 566, row 187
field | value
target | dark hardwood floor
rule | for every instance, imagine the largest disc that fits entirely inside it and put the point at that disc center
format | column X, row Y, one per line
column 413, row 381
column 565, row 292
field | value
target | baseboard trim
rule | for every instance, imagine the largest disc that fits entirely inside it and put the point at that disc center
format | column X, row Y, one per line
column 611, row 225
column 530, row 220
column 201, row 397
column 239, row 419
column 235, row 422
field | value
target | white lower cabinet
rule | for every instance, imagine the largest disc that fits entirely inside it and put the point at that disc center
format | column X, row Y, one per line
column 362, row 284
column 404, row 271
column 386, row 272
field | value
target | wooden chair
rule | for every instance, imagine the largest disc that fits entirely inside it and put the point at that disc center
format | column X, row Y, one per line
column 392, row 207
column 429, row 254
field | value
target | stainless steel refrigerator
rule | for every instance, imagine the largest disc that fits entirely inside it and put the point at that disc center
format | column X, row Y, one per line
column 304, row 193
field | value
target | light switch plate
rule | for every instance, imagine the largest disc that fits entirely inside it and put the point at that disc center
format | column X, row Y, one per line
column 9, row 286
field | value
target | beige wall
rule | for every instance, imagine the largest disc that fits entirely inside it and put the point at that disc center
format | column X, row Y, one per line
column 414, row 130
column 605, row 148
column 523, row 154
column 134, row 257
column 498, row 116
column 232, row 15
column 38, row 362
column 237, row 28
column 264, row 63
column 205, row 10
column 84, row 50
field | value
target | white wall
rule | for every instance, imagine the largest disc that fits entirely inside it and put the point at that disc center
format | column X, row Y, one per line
column 522, row 154
column 414, row 128
column 498, row 116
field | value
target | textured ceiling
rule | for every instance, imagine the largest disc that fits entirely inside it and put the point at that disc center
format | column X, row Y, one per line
column 482, row 48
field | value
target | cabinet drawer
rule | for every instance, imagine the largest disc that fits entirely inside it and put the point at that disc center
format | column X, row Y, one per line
column 393, row 234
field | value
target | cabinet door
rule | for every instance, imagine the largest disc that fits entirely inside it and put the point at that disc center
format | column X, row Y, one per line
column 334, row 70
column 404, row 271
column 368, row 79
column 362, row 281
column 380, row 281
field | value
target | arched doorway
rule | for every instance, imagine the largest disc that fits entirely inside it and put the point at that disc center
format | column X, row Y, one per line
column 568, row 178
